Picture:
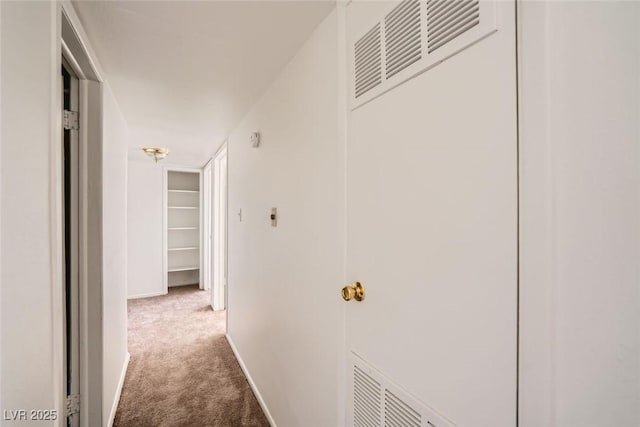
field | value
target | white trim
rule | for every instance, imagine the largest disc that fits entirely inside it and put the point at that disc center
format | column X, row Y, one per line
column 207, row 177
column 70, row 12
column 73, row 275
column 72, row 62
column 220, row 211
column 56, row 238
column 80, row 54
column 200, row 231
column 225, row 147
column 147, row 295
column 116, row 400
column 91, row 323
column 536, row 210
column 165, row 231
column 221, row 148
column 252, row 384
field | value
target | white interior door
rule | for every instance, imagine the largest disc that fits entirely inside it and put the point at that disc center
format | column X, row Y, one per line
column 220, row 231
column 432, row 219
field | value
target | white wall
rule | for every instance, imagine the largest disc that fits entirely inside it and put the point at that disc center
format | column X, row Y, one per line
column 580, row 235
column 144, row 219
column 31, row 316
column 284, row 304
column 145, row 230
column 114, row 287
column 29, row 377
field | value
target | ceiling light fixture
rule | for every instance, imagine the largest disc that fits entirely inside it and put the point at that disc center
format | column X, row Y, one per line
column 156, row 153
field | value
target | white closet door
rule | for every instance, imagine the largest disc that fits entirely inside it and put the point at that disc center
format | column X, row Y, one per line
column 432, row 227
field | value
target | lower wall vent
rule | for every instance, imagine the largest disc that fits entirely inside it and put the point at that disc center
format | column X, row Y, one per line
column 378, row 402
column 366, row 399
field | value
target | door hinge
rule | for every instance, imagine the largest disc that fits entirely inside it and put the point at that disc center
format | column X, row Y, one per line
column 73, row 404
column 70, row 120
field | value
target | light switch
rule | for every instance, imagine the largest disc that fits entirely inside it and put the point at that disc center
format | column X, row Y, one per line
column 274, row 217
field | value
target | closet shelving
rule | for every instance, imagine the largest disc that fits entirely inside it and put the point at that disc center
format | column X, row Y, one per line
column 182, row 238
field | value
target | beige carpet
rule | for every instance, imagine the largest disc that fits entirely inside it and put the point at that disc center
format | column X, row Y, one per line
column 182, row 370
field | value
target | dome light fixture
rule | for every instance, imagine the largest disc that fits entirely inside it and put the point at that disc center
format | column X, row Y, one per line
column 156, row 153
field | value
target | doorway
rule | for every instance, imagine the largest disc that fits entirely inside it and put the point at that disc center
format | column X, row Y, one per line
column 183, row 220
column 78, row 212
column 70, row 206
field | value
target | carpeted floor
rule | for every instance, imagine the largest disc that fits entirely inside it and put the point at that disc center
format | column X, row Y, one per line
column 182, row 370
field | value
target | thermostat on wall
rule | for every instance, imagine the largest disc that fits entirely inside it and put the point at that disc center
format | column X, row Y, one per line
column 255, row 139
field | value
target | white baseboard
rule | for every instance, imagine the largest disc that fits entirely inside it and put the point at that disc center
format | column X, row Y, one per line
column 116, row 400
column 149, row 295
column 251, row 383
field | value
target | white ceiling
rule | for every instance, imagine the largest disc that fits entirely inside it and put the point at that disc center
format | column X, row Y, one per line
column 186, row 72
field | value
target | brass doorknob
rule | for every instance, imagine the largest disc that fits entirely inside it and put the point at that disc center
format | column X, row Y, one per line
column 353, row 291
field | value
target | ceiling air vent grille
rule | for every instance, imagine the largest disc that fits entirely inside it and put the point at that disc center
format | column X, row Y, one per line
column 448, row 19
column 368, row 61
column 367, row 393
column 398, row 413
column 403, row 39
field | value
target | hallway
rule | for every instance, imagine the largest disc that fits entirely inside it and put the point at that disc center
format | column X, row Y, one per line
column 182, row 371
column 415, row 213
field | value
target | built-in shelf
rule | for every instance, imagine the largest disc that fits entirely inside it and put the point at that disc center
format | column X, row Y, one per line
column 185, row 268
column 182, row 218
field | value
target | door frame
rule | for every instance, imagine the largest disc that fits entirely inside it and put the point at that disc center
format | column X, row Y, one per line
column 207, row 232
column 165, row 222
column 220, row 225
column 535, row 216
column 70, row 226
column 71, row 43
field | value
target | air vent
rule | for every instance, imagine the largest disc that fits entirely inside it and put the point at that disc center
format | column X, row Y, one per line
column 391, row 42
column 366, row 399
column 378, row 402
column 448, row 19
column 403, row 41
column 398, row 413
column 368, row 61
